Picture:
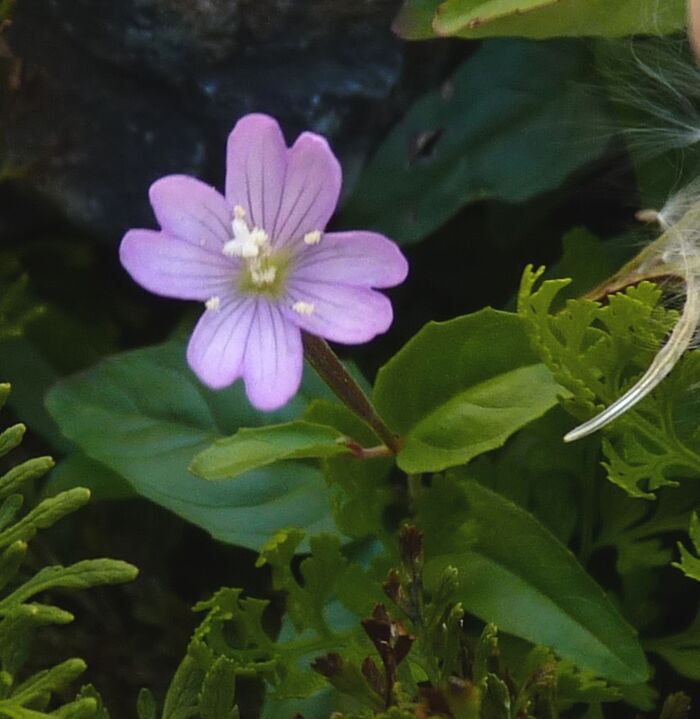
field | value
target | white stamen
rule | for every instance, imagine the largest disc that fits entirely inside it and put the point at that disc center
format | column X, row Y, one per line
column 303, row 308
column 241, row 248
column 258, row 237
column 213, row 303
column 312, row 238
column 240, row 228
column 252, row 245
column 262, row 275
column 246, row 243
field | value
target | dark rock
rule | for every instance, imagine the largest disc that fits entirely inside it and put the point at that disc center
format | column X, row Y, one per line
column 116, row 94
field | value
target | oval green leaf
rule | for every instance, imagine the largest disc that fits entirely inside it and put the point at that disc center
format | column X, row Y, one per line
column 145, row 416
column 515, row 573
column 515, row 120
column 255, row 447
column 461, row 388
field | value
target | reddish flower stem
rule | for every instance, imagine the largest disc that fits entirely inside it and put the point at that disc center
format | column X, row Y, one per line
column 331, row 370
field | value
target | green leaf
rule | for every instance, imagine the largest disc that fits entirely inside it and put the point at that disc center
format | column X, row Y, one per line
column 15, row 478
column 182, row 696
column 146, row 707
column 88, row 692
column 514, row 573
column 81, row 575
column 44, row 515
column 681, row 651
column 539, row 19
column 252, row 448
column 361, row 490
column 641, row 534
column 320, row 572
column 690, row 563
column 453, row 395
column 597, row 352
column 78, row 470
column 145, row 416
column 676, row 706
column 540, row 473
column 514, row 121
column 216, row 700
column 48, row 681
column 10, row 438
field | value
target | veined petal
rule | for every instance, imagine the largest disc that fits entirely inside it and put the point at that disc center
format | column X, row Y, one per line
column 256, row 161
column 273, row 358
column 191, row 210
column 311, row 189
column 173, row 267
column 352, row 258
column 341, row 313
column 218, row 343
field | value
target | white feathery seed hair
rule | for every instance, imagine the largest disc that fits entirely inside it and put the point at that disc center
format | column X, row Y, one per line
column 656, row 84
column 676, row 252
column 674, row 111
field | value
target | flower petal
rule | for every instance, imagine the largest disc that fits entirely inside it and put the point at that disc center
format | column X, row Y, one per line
column 217, row 346
column 172, row 267
column 256, row 161
column 341, row 313
column 352, row 258
column 191, row 210
column 273, row 358
column 311, row 189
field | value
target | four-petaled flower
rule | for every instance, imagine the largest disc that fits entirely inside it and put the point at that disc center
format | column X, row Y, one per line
column 260, row 261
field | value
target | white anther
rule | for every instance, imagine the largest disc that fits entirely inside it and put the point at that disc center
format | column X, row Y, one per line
column 262, row 275
column 303, row 308
column 213, row 303
column 239, row 228
column 312, row 238
column 246, row 243
column 258, row 237
column 240, row 247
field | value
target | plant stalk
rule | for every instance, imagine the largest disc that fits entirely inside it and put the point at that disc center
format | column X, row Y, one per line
column 331, row 370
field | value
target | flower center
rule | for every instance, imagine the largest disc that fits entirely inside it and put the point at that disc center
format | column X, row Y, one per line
column 263, row 270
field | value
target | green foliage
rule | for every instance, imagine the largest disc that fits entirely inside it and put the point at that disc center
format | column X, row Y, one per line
column 524, row 580
column 690, row 564
column 359, row 488
column 453, row 396
column 16, row 309
column 326, row 575
column 229, row 642
column 252, row 448
column 418, row 661
column 495, row 130
column 144, row 415
column 24, row 696
column 681, row 650
column 539, row 19
column 597, row 352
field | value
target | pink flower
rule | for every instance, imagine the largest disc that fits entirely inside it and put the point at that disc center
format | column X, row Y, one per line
column 262, row 264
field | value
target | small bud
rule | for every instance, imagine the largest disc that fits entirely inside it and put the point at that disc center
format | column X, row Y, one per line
column 392, row 586
column 411, row 545
column 374, row 677
column 329, row 666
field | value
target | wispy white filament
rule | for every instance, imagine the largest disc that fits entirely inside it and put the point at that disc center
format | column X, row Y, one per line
column 666, row 359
